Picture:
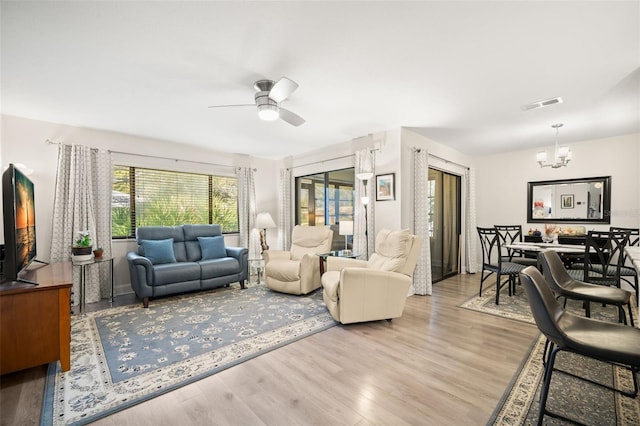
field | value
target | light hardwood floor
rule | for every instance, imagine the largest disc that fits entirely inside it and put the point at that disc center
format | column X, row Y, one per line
column 437, row 364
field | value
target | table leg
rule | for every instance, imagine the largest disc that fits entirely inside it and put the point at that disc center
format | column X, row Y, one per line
column 112, row 281
column 82, row 288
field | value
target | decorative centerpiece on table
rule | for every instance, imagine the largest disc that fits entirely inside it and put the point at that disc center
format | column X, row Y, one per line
column 82, row 250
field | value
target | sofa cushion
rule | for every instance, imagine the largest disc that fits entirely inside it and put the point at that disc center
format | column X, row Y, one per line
column 212, row 247
column 392, row 249
column 171, row 273
column 158, row 251
column 213, row 268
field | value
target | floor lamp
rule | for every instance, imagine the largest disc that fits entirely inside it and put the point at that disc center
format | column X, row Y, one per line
column 364, row 177
column 264, row 221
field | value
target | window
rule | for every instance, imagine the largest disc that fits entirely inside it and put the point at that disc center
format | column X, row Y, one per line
column 324, row 198
column 149, row 197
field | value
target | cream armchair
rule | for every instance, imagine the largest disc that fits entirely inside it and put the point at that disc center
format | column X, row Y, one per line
column 358, row 290
column 298, row 271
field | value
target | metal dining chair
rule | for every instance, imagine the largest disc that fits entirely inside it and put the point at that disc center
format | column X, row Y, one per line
column 512, row 234
column 493, row 263
column 564, row 286
column 603, row 258
column 629, row 273
column 605, row 341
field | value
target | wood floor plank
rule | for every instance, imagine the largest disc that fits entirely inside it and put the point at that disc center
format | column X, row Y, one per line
column 437, row 364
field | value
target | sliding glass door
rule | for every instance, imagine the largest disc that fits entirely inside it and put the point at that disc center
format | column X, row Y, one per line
column 444, row 223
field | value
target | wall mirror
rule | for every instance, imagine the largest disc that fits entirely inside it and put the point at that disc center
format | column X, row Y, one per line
column 586, row 200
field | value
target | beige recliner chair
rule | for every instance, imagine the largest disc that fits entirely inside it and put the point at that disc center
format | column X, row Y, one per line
column 358, row 290
column 298, row 271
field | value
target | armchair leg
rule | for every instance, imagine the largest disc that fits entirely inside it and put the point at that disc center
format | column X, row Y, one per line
column 242, row 284
column 145, row 302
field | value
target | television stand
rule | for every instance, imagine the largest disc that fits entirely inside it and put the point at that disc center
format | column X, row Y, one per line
column 36, row 320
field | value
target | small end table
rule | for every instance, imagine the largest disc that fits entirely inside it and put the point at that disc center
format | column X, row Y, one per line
column 83, row 265
column 335, row 253
column 256, row 267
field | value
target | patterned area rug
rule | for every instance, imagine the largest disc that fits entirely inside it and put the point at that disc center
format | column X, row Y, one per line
column 568, row 396
column 123, row 356
column 517, row 308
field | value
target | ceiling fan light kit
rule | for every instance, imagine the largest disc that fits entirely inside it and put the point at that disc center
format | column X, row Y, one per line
column 269, row 94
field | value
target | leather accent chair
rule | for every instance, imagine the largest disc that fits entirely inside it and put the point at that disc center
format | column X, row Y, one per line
column 604, row 341
column 358, row 290
column 297, row 271
column 564, row 286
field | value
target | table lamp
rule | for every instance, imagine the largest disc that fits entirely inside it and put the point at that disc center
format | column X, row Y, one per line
column 346, row 229
column 264, row 221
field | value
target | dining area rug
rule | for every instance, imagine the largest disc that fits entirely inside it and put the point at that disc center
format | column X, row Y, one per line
column 126, row 355
column 573, row 398
column 517, row 307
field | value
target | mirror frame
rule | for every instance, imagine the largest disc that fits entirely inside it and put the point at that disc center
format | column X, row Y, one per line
column 606, row 200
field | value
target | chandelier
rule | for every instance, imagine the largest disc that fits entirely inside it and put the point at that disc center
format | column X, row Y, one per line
column 562, row 153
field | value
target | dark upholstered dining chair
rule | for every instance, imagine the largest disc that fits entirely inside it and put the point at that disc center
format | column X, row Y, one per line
column 604, row 341
column 563, row 285
column 629, row 273
column 512, row 234
column 493, row 263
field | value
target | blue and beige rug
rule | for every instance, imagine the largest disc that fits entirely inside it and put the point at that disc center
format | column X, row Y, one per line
column 587, row 403
column 123, row 356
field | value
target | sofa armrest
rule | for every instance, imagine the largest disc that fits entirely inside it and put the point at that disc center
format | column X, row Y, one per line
column 269, row 255
column 242, row 255
column 335, row 263
column 140, row 271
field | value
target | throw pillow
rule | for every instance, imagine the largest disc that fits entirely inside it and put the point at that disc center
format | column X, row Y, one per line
column 212, row 247
column 158, row 251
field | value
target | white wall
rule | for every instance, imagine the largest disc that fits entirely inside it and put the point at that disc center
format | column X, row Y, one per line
column 24, row 141
column 502, row 180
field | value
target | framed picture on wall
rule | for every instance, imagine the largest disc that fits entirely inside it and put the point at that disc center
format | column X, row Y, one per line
column 566, row 201
column 385, row 187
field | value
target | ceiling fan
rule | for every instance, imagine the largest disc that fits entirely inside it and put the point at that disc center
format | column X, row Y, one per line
column 269, row 95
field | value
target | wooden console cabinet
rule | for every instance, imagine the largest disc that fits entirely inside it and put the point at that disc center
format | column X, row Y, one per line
column 35, row 321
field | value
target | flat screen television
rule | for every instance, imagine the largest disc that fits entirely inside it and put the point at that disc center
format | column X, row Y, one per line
column 18, row 202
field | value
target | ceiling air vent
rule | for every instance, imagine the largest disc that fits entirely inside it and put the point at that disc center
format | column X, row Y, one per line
column 541, row 104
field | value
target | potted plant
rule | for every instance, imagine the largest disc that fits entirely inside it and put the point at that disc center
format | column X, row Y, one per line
column 82, row 246
column 97, row 253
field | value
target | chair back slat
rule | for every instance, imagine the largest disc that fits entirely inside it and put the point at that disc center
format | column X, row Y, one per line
column 490, row 243
column 604, row 252
column 508, row 234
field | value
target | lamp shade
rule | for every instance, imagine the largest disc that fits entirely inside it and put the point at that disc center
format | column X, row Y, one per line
column 346, row 227
column 364, row 175
column 264, row 221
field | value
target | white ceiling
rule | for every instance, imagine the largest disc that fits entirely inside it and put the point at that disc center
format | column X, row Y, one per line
column 458, row 72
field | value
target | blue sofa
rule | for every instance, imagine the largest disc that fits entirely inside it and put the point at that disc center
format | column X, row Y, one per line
column 178, row 259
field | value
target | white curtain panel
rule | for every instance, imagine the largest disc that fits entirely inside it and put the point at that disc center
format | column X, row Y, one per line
column 471, row 255
column 249, row 236
column 364, row 162
column 285, row 222
column 82, row 202
column 422, row 283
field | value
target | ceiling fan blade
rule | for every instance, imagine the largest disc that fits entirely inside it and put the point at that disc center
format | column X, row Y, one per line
column 282, row 89
column 231, row 106
column 291, row 117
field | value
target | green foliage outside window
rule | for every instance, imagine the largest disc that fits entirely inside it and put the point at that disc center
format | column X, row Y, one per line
column 148, row 197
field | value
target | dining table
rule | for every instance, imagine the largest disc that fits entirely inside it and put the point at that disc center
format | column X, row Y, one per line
column 633, row 253
column 538, row 247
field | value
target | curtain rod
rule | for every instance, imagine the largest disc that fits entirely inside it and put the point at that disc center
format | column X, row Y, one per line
column 443, row 159
column 50, row 142
column 322, row 161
